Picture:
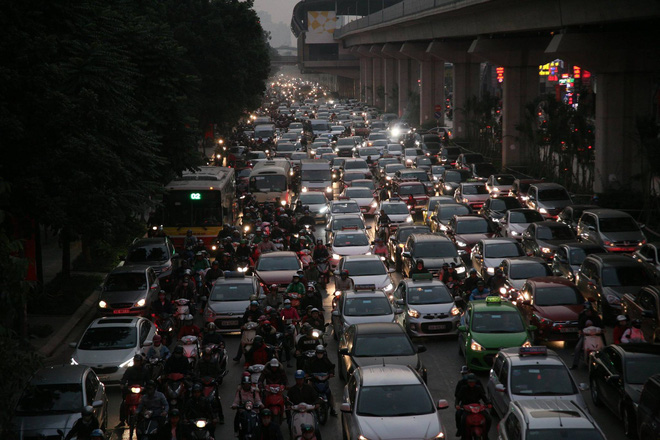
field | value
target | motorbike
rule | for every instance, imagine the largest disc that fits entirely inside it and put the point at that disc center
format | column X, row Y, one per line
column 255, row 373
column 175, row 389
column 190, row 348
column 155, row 368
column 295, row 298
column 198, row 430
column 475, row 422
column 323, row 266
column 248, row 333
column 243, row 265
column 302, row 413
column 304, row 358
column 165, row 324
column 219, row 356
column 183, row 308
column 274, row 400
column 248, row 421
column 131, row 402
column 322, row 387
column 148, row 426
column 593, row 341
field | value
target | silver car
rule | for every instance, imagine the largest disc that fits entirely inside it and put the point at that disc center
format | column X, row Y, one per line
column 489, row 253
column 363, row 306
column 389, row 402
column 367, row 270
column 317, row 203
column 516, row 221
column 128, row 290
column 615, row 230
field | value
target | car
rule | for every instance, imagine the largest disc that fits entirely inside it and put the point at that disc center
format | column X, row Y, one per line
column 434, row 249
column 373, row 137
column 617, row 374
column 397, row 240
column 571, row 214
column 648, row 414
column 464, row 160
column 473, row 194
column 605, row 278
column 277, row 268
column 372, row 343
column 348, row 177
column 495, row 208
column 345, row 150
column 367, row 270
column 542, row 239
column 548, row 419
column 52, row 399
column 553, row 306
column 109, row 344
column 444, row 212
column 428, row 305
column 348, row 242
column 285, row 149
column 431, row 204
column 422, row 163
column 649, row 255
column 398, row 213
column 317, row 203
column 365, row 183
column 351, row 164
column 128, row 290
column 409, row 155
column 364, row 197
column 488, row 325
column 414, row 174
column 517, row 270
column 363, row 305
column 395, row 150
column 402, row 190
column 482, row 171
column 451, row 179
column 343, row 207
column 570, row 256
column 516, row 221
column 391, row 169
column 645, row 306
column 157, row 252
column 368, row 153
column 230, row 296
column 466, row 230
column 529, row 373
column 520, row 187
column 500, row 184
column 340, row 222
column 389, row 402
column 488, row 254
column 548, row 198
column 615, row 230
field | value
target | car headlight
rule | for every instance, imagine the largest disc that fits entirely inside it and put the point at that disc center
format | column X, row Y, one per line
column 460, row 269
column 304, row 189
column 613, row 299
column 496, row 189
column 246, row 228
column 465, row 200
column 515, row 234
column 388, row 177
column 475, row 346
column 389, row 287
column 141, row 303
column 74, row 361
column 128, row 363
column 546, row 250
column 455, row 311
column 361, row 437
column 328, row 189
column 323, row 210
column 374, row 204
column 461, row 243
column 490, row 271
column 103, row 304
column 313, row 152
column 440, row 435
column 543, row 210
column 413, row 313
column 409, row 219
column 336, row 257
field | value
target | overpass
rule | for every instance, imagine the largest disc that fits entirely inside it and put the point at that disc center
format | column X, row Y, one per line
column 403, row 47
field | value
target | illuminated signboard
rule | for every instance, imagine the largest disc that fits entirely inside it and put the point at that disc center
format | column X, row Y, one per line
column 195, row 196
column 500, row 74
column 577, row 72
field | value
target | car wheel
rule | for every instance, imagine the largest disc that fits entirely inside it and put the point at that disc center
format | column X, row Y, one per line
column 595, row 392
column 628, row 422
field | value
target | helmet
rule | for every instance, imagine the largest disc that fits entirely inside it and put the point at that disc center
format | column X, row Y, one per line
column 178, row 349
column 473, row 271
column 162, row 292
column 138, row 357
column 199, row 253
column 287, row 301
column 480, row 283
column 261, row 319
column 159, row 338
column 258, row 339
column 621, row 318
column 452, row 265
column 151, row 384
column 344, row 272
column 174, row 412
column 244, row 241
column 314, row 309
column 97, row 433
column 254, row 303
column 197, row 387
column 419, row 261
column 266, row 322
column 320, row 349
column 189, row 232
column 87, row 411
column 300, row 374
column 295, row 275
column 465, row 369
column 246, row 379
column 471, row 377
column 637, row 323
column 187, row 272
column 274, row 363
column 210, row 326
column 307, row 327
column 311, row 289
column 379, row 240
column 266, row 413
column 189, row 317
column 445, row 265
column 215, row 263
column 499, row 271
column 319, row 241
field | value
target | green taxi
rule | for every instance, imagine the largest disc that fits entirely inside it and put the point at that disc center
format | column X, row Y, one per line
column 488, row 325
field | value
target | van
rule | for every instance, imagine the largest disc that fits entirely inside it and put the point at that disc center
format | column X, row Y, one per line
column 264, row 132
column 315, row 175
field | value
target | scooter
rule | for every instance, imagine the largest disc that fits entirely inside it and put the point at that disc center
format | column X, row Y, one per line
column 323, row 266
column 198, row 430
column 274, row 400
column 302, row 413
column 190, row 348
column 175, row 389
column 131, row 402
column 148, row 426
column 322, row 387
column 248, row 333
column 164, row 326
column 255, row 371
column 475, row 422
column 219, row 356
column 593, row 341
column 248, row 422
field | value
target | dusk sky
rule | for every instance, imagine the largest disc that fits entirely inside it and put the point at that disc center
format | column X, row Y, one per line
column 280, row 10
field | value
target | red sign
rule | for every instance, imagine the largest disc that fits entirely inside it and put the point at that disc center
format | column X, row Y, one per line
column 500, row 74
column 438, row 108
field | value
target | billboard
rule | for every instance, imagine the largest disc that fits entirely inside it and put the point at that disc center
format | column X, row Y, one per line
column 321, row 27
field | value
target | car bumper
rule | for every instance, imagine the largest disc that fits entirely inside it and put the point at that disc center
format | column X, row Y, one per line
column 226, row 324
column 129, row 311
column 419, row 327
column 109, row 375
column 558, row 333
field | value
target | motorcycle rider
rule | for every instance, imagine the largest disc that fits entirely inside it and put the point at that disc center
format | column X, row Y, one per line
column 587, row 314
column 211, row 335
column 227, row 264
column 471, row 281
column 466, row 395
column 245, row 393
column 83, row 428
column 266, row 245
column 302, row 392
column 296, row 286
column 633, row 334
column 177, row 363
column 380, row 249
column 173, row 430
column 307, row 219
column 306, row 342
column 273, row 373
column 189, row 328
column 268, row 332
column 155, row 402
column 213, row 273
column 189, row 243
column 465, row 371
column 320, row 251
column 344, row 282
column 186, row 287
column 161, row 306
column 243, row 251
column 259, row 353
column 383, row 224
column 419, row 267
column 252, row 313
column 311, row 299
column 137, row 374
column 481, row 292
column 200, row 262
column 315, row 319
column 268, row 429
column 621, row 326
column 158, row 350
column 198, row 407
column 496, row 281
column 322, row 364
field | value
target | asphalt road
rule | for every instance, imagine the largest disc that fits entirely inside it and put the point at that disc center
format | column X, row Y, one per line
column 441, row 359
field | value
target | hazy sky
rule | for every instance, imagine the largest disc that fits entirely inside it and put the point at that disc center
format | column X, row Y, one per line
column 280, row 10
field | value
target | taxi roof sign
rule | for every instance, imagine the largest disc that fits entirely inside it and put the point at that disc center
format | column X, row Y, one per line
column 363, row 287
column 533, row 351
column 422, row 276
column 493, row 299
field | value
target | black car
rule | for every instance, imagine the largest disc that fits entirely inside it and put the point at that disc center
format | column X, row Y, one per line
column 495, row 208
column 542, row 239
column 569, row 257
column 482, row 170
column 648, row 411
column 451, row 180
column 156, row 252
column 571, row 215
column 398, row 240
column 616, row 377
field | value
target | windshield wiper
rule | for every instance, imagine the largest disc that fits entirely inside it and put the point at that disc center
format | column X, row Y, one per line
column 371, row 414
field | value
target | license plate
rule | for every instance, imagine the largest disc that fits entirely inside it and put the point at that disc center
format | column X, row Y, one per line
column 229, row 323
column 437, row 327
column 568, row 329
column 121, row 311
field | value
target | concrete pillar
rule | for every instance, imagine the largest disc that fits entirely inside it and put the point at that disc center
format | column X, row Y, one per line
column 369, row 81
column 403, row 74
column 427, row 91
column 389, row 65
column 378, row 84
column 521, row 85
column 363, row 79
column 439, row 90
column 466, row 85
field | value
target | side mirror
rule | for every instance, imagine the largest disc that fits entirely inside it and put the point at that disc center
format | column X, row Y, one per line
column 345, row 407
column 499, row 387
column 583, row 387
column 398, row 311
column 73, row 344
column 391, row 270
column 443, row 404
column 405, row 254
column 532, row 328
column 421, row 348
column 335, row 313
column 591, row 228
column 462, row 328
column 613, row 378
column 97, row 403
column 343, row 351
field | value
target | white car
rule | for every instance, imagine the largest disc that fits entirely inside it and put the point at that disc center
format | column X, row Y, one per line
column 395, row 150
column 109, row 345
column 343, row 207
column 364, row 198
column 488, row 254
column 341, row 222
column 349, row 242
column 397, row 211
column 516, row 221
column 367, row 270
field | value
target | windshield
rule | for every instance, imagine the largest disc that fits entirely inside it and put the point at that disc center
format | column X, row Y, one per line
column 156, row 252
column 345, row 208
column 557, row 296
column 316, row 175
column 338, row 161
column 373, row 152
column 355, row 165
column 419, row 175
column 312, row 199
column 523, row 271
column 504, row 179
column 350, row 240
column 504, row 204
column 192, row 208
column 617, row 224
column 279, row 263
column 503, row 250
column 404, row 233
column 352, row 175
column 435, row 249
column 541, row 380
column 497, row 322
column 563, row 433
column 412, row 189
column 423, row 161
column 394, row 401
column 124, row 282
column 551, row 195
column 365, row 184
column 286, row 147
column 480, row 226
column 341, row 223
column 456, row 176
column 475, row 189
column 429, row 295
column 484, row 169
column 377, row 136
column 50, row 399
column 393, row 167
column 554, row 233
column 635, row 275
column 359, row 193
column 232, row 292
column 525, row 217
column 395, row 208
column 376, row 345
column 640, row 367
column 360, row 268
column 579, row 254
column 448, row 211
column 345, row 141
column 371, row 306
column 267, row 183
column 109, row 338
column 394, row 148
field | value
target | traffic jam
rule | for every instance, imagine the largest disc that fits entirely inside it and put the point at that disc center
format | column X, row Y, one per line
column 336, row 272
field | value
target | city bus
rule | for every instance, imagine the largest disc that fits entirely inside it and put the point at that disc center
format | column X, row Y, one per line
column 201, row 201
column 270, row 181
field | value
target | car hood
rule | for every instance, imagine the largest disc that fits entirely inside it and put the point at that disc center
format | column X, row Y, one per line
column 634, row 391
column 276, row 276
column 398, row 218
column 631, row 236
column 351, row 250
column 432, row 309
column 104, row 358
column 229, row 307
column 436, row 263
column 363, row 201
column 317, row 207
column 494, row 341
column 380, row 281
column 560, row 313
column 554, row 204
column 44, row 425
column 476, row 197
column 472, row 239
column 131, row 296
column 400, row 428
column 351, row 320
column 494, row 262
column 515, row 283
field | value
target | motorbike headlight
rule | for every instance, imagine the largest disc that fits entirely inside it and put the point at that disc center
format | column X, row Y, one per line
column 465, row 200
column 214, row 248
column 316, row 334
column 136, row 390
column 200, row 423
column 328, row 189
column 460, row 269
column 242, row 269
column 74, row 361
column 389, row 287
column 475, row 346
column 503, row 290
column 455, row 311
column 613, row 299
column 461, row 243
column 490, row 271
column 443, row 227
column 543, row 210
column 527, row 344
column 128, row 363
column 448, row 187
column 304, row 189
column 283, row 202
column 409, row 219
column 496, row 189
column 413, row 313
column 246, row 228
column 515, row 234
column 374, row 204
column 336, row 257
column 388, row 177
column 141, row 303
column 103, row 304
column 546, row 250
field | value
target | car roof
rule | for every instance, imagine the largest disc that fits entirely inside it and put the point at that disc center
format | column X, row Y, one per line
column 482, row 305
column 360, row 258
column 513, row 353
column 549, row 282
column 540, row 414
column 611, row 259
column 124, row 321
column 525, row 260
column 378, row 328
column 279, row 254
column 146, row 241
column 607, row 213
column 132, row 268
column 548, row 185
column 470, row 217
column 638, row 349
column 551, row 224
column 379, row 375
column 500, row 240
column 429, row 237
column 59, row 374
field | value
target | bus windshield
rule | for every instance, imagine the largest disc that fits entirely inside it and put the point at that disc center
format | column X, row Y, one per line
column 268, row 183
column 193, row 208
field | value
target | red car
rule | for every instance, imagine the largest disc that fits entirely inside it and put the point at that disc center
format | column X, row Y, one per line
column 466, row 230
column 553, row 305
